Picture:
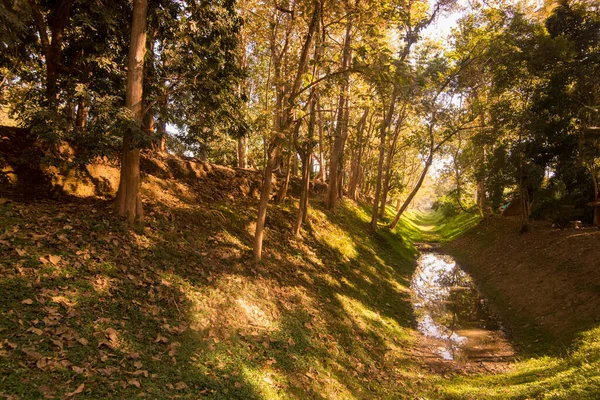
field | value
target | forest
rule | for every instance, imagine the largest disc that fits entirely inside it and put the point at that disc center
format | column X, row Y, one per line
column 301, row 154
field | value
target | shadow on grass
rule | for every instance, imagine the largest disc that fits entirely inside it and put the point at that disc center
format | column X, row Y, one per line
column 176, row 308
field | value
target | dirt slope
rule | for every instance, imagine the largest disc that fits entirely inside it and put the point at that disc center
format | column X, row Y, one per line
column 545, row 283
column 29, row 171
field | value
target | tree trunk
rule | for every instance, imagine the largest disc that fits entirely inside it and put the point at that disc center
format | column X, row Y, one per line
column 341, row 128
column 162, row 141
column 321, row 175
column 282, row 193
column 242, row 151
column 265, row 194
column 128, row 201
column 161, row 145
column 301, row 217
column 51, row 45
column 295, row 165
column 82, row 114
column 596, row 198
column 383, row 133
column 481, row 197
column 414, row 192
column 357, row 157
column 149, row 124
column 282, row 123
column 388, row 167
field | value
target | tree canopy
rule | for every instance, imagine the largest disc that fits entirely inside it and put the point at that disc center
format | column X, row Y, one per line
column 355, row 94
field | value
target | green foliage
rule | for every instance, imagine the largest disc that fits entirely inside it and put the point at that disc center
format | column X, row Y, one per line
column 192, row 73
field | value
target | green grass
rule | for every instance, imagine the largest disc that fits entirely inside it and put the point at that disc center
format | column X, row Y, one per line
column 573, row 376
column 176, row 309
column 437, row 228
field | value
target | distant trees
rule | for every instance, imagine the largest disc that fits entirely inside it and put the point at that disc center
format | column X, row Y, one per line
column 532, row 98
column 350, row 94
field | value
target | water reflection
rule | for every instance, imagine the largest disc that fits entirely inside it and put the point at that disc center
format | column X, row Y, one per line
column 450, row 310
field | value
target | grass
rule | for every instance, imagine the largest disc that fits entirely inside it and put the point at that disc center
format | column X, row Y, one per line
column 575, row 375
column 176, row 309
column 436, row 227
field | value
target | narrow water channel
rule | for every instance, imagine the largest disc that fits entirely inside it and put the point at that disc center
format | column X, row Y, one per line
column 453, row 315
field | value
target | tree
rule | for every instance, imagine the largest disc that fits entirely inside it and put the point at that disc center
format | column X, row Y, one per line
column 286, row 103
column 411, row 27
column 129, row 201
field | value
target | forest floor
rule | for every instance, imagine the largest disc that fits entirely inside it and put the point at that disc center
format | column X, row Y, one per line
column 174, row 308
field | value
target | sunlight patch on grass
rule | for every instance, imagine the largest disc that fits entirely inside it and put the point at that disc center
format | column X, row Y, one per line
column 254, row 315
column 266, row 381
column 371, row 321
column 333, row 236
column 574, row 376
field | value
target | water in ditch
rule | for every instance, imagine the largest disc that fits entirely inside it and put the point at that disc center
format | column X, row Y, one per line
column 452, row 314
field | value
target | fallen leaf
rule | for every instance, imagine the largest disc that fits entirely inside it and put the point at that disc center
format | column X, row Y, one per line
column 173, row 348
column 112, row 334
column 78, row 390
column 181, row 385
column 77, row 370
column 54, row 259
column 138, row 364
column 41, row 363
column 47, row 392
column 35, row 330
column 83, row 341
column 27, row 301
column 21, row 252
column 161, row 339
column 33, row 355
column 135, row 382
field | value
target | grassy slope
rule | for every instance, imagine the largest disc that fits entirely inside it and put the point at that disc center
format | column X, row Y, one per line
column 435, row 227
column 175, row 309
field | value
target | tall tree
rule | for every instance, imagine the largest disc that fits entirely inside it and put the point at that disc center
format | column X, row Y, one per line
column 341, row 126
column 283, row 121
column 129, row 201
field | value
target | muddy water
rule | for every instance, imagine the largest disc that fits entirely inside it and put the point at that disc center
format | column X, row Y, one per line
column 453, row 315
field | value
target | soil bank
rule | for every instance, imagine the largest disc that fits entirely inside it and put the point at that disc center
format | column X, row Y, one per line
column 545, row 284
